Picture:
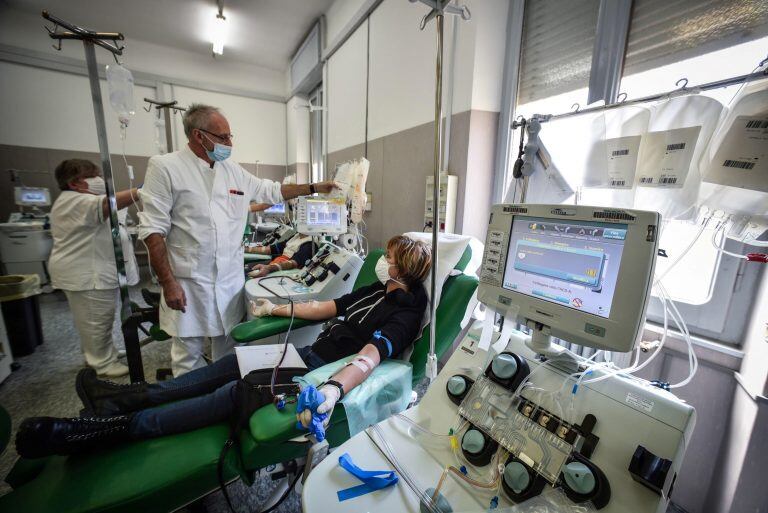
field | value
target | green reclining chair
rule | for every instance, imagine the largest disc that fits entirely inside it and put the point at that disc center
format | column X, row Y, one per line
column 167, row 473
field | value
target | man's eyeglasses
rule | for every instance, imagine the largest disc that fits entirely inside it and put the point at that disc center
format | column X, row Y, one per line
column 221, row 137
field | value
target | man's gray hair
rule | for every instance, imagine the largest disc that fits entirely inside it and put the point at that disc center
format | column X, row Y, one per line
column 196, row 116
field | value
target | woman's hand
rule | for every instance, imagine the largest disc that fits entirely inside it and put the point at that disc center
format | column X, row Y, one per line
column 261, row 307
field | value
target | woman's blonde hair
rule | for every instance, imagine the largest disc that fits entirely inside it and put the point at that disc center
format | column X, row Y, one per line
column 412, row 257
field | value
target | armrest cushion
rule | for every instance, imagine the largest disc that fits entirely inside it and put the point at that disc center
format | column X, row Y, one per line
column 264, row 327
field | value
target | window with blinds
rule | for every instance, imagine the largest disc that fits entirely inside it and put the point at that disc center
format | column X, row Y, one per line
column 663, row 32
column 558, row 39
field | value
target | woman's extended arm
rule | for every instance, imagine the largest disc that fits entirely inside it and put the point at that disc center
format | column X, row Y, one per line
column 312, row 310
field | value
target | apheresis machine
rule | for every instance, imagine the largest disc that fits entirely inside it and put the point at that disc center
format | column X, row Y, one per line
column 329, row 274
column 514, row 422
column 25, row 240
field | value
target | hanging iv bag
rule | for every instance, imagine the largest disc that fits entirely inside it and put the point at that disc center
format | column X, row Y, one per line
column 667, row 176
column 735, row 167
column 609, row 180
column 120, row 83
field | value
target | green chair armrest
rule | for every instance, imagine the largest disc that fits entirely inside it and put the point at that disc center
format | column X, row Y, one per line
column 254, row 257
column 270, row 425
column 264, row 327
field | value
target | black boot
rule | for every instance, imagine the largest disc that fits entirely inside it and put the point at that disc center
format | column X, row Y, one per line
column 104, row 398
column 44, row 436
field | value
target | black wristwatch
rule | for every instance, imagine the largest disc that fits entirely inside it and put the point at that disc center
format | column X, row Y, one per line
column 312, row 189
column 337, row 385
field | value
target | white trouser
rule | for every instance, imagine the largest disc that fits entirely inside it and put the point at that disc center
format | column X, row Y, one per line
column 93, row 312
column 187, row 352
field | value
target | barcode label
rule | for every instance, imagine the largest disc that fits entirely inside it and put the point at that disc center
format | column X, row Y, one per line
column 673, row 147
column 668, row 180
column 739, row 164
column 619, row 153
column 646, row 179
column 618, row 183
column 757, row 123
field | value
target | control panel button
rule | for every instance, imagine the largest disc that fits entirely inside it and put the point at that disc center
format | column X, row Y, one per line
column 473, row 441
column 579, row 478
column 457, row 385
column 504, row 366
column 516, row 476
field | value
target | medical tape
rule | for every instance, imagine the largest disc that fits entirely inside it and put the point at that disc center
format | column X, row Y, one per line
column 487, row 333
column 363, row 363
column 372, row 479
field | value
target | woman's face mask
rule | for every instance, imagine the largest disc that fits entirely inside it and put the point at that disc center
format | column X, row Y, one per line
column 96, row 185
column 382, row 271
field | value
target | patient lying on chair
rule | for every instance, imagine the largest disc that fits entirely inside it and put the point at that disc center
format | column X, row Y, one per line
column 292, row 255
column 379, row 322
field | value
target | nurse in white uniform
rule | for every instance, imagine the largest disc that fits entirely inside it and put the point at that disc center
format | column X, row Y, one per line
column 82, row 262
column 196, row 203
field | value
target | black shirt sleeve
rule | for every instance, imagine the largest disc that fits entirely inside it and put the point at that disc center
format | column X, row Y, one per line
column 277, row 249
column 304, row 253
column 343, row 302
column 400, row 330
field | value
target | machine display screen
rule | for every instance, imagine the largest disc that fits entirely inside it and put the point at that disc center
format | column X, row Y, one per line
column 570, row 263
column 32, row 196
column 324, row 213
column 278, row 209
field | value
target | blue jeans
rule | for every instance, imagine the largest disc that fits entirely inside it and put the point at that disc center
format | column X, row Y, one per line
column 199, row 398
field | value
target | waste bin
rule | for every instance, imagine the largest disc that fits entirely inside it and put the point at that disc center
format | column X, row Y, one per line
column 21, row 312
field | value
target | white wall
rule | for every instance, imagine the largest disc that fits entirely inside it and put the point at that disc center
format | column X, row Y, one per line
column 259, row 126
column 489, row 19
column 402, row 74
column 50, row 109
column 402, row 69
column 345, row 92
column 297, row 130
column 338, row 15
column 26, row 31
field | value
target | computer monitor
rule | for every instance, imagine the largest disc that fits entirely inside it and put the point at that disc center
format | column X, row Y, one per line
column 315, row 216
column 32, row 196
column 583, row 273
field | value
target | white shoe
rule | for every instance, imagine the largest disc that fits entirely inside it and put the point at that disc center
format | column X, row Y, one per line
column 113, row 370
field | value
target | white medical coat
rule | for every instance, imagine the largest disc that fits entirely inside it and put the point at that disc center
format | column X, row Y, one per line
column 201, row 212
column 83, row 256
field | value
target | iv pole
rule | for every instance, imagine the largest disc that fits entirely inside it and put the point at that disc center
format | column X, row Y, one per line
column 439, row 9
column 90, row 40
column 167, row 107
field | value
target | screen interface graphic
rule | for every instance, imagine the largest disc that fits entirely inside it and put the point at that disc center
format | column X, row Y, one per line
column 323, row 213
column 570, row 263
column 278, row 208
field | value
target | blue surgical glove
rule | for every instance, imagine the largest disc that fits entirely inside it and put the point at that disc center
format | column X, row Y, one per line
column 309, row 400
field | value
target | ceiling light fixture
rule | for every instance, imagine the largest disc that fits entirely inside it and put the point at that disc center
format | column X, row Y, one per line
column 219, row 31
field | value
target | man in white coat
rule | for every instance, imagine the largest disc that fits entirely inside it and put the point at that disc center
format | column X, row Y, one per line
column 196, row 203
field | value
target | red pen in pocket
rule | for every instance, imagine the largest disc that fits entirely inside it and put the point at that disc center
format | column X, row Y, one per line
column 235, row 191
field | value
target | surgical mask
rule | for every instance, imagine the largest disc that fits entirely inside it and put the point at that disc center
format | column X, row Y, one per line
column 96, row 185
column 220, row 151
column 382, row 271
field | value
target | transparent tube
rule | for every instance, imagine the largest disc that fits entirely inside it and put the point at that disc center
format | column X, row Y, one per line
column 389, row 453
column 658, row 279
column 719, row 246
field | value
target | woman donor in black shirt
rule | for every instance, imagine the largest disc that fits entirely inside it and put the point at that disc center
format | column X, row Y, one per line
column 374, row 323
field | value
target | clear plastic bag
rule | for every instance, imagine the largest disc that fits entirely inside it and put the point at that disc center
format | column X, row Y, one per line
column 120, row 82
column 668, row 178
column 387, row 391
